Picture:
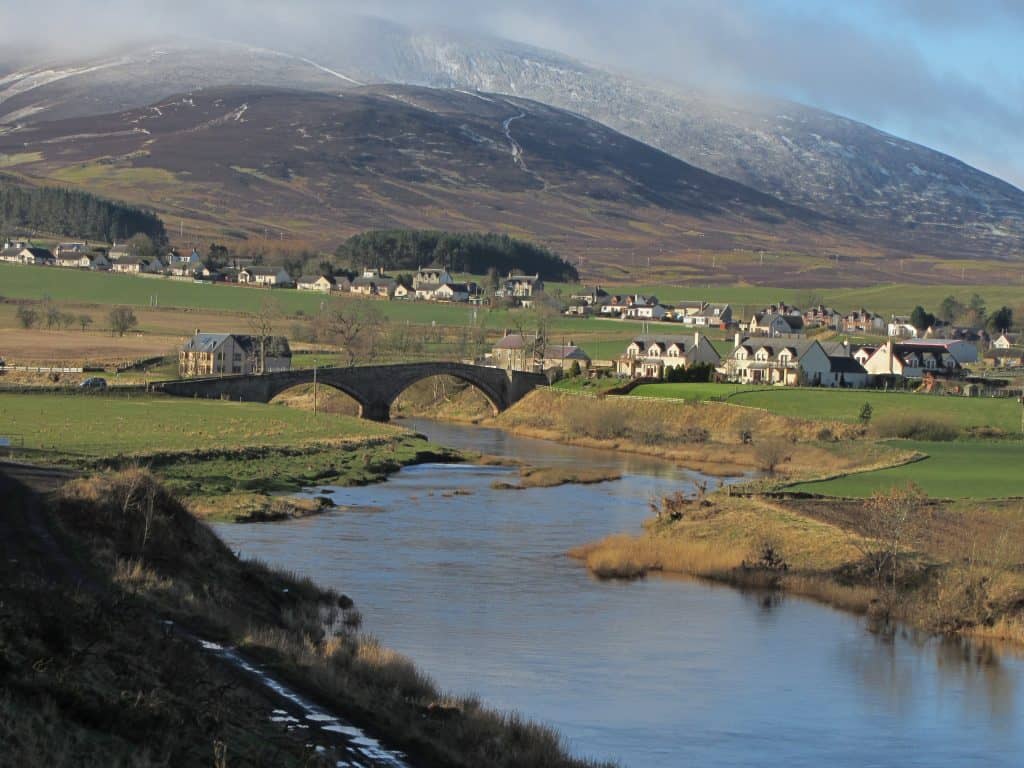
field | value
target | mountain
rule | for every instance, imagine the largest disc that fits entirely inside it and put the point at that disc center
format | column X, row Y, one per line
column 894, row 193
column 254, row 162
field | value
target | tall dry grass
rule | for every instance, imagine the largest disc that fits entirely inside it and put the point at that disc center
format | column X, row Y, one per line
column 626, row 556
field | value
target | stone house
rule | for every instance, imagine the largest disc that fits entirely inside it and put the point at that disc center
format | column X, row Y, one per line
column 219, row 354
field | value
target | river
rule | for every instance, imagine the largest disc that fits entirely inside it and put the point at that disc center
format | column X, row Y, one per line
column 473, row 584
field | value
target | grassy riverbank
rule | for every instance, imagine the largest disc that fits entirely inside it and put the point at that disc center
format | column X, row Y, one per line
column 712, row 437
column 958, row 564
column 146, row 559
column 959, row 568
column 226, row 459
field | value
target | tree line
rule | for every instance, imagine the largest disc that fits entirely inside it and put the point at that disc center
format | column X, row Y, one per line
column 473, row 252
column 70, row 213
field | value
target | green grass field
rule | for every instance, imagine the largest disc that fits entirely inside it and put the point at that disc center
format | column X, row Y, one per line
column 883, row 299
column 954, row 470
column 77, row 287
column 98, row 426
column 695, row 391
column 845, row 404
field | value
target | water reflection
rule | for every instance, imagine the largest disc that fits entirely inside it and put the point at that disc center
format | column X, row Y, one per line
column 661, row 672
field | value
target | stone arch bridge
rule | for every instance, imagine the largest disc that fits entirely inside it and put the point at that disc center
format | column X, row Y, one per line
column 374, row 387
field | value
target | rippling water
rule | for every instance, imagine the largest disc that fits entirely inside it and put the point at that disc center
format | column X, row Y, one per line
column 473, row 584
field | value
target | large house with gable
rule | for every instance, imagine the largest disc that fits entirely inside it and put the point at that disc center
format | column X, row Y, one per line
column 648, row 357
column 219, row 354
column 792, row 362
column 913, row 359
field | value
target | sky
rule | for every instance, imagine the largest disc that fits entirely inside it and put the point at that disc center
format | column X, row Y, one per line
column 948, row 74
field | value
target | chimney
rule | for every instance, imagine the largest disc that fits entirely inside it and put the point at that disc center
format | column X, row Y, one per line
column 736, row 340
column 696, row 339
column 197, row 332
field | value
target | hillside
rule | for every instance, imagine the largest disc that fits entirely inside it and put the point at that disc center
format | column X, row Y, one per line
column 896, row 194
column 313, row 167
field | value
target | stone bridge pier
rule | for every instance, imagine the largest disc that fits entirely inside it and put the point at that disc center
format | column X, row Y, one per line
column 374, row 387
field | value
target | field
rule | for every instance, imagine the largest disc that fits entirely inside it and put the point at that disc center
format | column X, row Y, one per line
column 694, row 391
column 893, row 298
column 845, row 405
column 101, row 426
column 953, row 470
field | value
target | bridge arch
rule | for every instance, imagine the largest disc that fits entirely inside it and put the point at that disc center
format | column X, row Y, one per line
column 494, row 400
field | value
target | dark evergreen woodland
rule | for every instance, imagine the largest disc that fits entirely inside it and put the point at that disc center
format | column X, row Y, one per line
column 473, row 252
column 26, row 210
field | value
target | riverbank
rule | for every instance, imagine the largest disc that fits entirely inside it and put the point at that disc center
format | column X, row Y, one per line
column 959, row 562
column 146, row 560
column 713, row 438
column 956, row 569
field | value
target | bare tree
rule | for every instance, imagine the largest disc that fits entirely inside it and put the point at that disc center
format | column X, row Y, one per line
column 356, row 327
column 122, row 320
column 894, row 523
column 85, row 321
column 261, row 324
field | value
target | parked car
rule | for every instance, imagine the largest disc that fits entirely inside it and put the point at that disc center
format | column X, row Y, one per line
column 94, row 382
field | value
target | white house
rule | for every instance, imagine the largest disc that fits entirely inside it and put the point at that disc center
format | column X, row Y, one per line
column 899, row 327
column 646, row 312
column 913, row 359
column 792, row 362
column 82, row 260
column 137, row 265
column 266, row 276
column 452, row 292
column 650, row 356
column 319, row 283
column 1006, row 341
column 33, row 256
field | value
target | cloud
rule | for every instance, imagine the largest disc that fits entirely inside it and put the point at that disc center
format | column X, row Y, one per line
column 929, row 70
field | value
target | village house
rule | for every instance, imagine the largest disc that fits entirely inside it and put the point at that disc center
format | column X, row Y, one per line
column 318, row 283
column 862, row 321
column 83, row 260
column 29, row 255
column 119, row 251
column 184, row 265
column 137, row 265
column 520, row 286
column 373, row 282
column 703, row 314
column 429, row 279
column 1006, row 341
column 270, row 277
column 1005, row 357
column 821, row 316
column 519, row 352
column 647, row 312
column 913, row 359
column 775, row 324
column 69, row 249
column 792, row 362
column 649, row 357
column 900, row 327
column 218, row 354
column 452, row 292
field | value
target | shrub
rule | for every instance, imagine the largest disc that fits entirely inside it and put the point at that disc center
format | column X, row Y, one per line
column 917, row 427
